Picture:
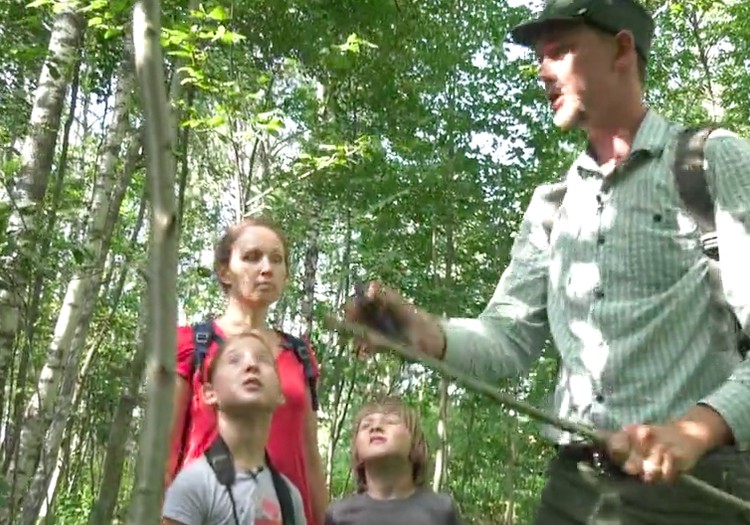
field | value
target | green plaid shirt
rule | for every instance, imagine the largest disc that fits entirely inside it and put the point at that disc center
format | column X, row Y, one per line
column 616, row 277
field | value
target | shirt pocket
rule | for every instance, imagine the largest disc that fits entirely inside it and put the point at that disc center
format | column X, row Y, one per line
column 655, row 242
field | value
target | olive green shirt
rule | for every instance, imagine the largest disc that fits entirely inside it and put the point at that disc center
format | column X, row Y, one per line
column 615, row 275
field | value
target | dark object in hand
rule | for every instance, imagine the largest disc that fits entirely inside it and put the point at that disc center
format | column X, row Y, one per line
column 377, row 315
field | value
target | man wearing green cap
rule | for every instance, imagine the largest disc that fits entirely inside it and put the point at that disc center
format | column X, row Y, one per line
column 609, row 265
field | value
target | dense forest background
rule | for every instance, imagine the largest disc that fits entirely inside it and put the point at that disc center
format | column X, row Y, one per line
column 392, row 139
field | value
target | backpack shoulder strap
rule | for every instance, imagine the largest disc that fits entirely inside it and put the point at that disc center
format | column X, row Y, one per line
column 203, row 336
column 220, row 460
column 302, row 351
column 283, row 494
column 692, row 186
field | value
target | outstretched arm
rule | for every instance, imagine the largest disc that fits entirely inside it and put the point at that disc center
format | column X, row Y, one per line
column 510, row 334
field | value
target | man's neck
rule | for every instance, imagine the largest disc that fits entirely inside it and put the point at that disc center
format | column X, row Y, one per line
column 240, row 316
column 246, row 438
column 389, row 480
column 612, row 140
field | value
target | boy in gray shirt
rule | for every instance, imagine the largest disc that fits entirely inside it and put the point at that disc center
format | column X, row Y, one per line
column 233, row 483
column 389, row 458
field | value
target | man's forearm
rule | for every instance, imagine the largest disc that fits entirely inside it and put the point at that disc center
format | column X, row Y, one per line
column 706, row 426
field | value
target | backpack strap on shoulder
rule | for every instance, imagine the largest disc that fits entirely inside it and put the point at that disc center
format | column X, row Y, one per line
column 203, row 336
column 283, row 494
column 692, row 186
column 220, row 460
column 302, row 351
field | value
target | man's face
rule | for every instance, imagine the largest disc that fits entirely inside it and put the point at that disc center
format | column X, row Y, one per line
column 244, row 376
column 383, row 435
column 576, row 65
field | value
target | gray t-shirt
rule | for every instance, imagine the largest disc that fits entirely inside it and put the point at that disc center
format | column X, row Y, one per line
column 424, row 507
column 196, row 497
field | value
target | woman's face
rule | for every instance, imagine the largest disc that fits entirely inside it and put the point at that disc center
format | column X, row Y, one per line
column 257, row 270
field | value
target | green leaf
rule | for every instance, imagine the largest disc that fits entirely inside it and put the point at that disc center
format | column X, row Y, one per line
column 38, row 3
column 218, row 13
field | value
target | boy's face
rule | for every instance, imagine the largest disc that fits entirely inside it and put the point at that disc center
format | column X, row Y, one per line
column 383, row 435
column 244, row 376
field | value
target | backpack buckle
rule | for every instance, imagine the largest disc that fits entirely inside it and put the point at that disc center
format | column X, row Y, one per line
column 201, row 338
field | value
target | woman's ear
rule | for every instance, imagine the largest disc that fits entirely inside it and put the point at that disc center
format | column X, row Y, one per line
column 223, row 274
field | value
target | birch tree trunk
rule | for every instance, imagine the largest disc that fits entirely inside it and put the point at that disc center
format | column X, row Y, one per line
column 36, row 163
column 16, row 403
column 162, row 277
column 73, row 375
column 78, row 304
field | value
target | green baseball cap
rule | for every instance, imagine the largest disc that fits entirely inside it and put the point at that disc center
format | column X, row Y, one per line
column 611, row 16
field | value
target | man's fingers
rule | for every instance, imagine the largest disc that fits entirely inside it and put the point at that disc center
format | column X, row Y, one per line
column 618, row 447
column 653, row 464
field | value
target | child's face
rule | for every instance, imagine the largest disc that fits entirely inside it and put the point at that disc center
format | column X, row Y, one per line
column 244, row 376
column 381, row 435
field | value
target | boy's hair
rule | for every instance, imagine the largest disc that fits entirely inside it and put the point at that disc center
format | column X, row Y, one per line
column 230, row 342
column 418, row 453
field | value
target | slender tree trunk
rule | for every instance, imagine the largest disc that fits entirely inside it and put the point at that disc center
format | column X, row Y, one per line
column 35, row 299
column 77, row 306
column 162, row 277
column 116, row 453
column 441, row 455
column 311, row 266
column 29, row 190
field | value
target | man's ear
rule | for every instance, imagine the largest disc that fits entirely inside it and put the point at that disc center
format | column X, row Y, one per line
column 626, row 50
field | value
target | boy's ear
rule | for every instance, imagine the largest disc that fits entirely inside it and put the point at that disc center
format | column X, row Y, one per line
column 418, row 451
column 209, row 395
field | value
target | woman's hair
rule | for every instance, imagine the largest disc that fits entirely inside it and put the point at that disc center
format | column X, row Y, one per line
column 223, row 249
column 418, row 453
column 231, row 342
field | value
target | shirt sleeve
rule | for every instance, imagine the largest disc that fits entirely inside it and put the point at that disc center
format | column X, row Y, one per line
column 729, row 178
column 510, row 333
column 185, row 500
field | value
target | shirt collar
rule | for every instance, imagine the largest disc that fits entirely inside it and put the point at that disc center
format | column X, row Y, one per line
column 652, row 137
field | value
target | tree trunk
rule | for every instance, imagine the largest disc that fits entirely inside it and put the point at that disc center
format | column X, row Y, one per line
column 13, row 419
column 79, row 301
column 441, row 454
column 36, row 163
column 162, row 276
column 311, row 266
column 104, row 508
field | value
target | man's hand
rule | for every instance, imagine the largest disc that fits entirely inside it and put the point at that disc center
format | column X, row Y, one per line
column 657, row 453
column 384, row 310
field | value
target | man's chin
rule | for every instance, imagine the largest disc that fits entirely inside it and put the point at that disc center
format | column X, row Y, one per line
column 566, row 120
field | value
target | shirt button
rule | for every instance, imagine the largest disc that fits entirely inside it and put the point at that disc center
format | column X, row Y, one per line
column 598, row 293
column 599, row 398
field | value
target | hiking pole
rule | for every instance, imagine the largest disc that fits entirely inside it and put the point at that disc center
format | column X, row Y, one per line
column 598, row 437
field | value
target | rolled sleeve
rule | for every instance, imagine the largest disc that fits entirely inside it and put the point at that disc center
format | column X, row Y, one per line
column 510, row 334
column 729, row 172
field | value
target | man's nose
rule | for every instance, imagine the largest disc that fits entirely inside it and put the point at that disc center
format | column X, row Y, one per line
column 544, row 71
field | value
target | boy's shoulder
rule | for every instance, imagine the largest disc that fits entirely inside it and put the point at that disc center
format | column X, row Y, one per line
column 423, row 497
